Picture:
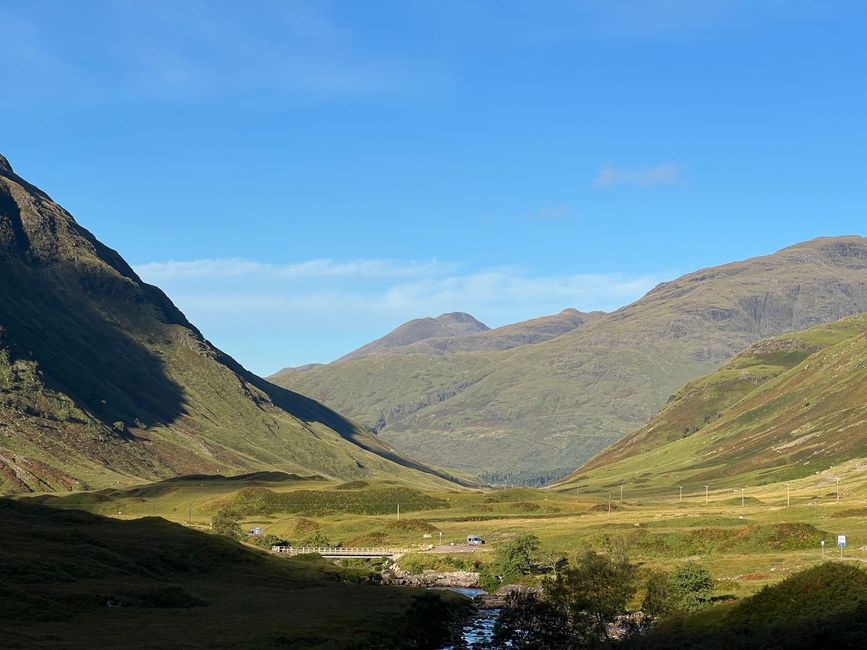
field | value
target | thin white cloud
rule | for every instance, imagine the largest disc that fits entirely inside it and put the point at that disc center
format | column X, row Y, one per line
column 270, row 315
column 664, row 174
column 188, row 51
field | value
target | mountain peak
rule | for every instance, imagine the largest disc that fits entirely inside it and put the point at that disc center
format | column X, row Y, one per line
column 462, row 317
column 4, row 165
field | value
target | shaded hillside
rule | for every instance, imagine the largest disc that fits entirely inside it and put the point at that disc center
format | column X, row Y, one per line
column 785, row 408
column 455, row 324
column 534, row 410
column 103, row 380
column 821, row 607
column 70, row 579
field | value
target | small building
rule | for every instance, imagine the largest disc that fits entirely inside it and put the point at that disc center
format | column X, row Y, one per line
column 255, row 532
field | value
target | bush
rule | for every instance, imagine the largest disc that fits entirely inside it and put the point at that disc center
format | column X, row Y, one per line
column 691, row 587
column 225, row 523
column 512, row 559
column 658, row 600
column 576, row 609
column 268, row 540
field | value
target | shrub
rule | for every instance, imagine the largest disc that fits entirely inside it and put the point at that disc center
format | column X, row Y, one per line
column 658, row 601
column 225, row 523
column 576, row 609
column 691, row 587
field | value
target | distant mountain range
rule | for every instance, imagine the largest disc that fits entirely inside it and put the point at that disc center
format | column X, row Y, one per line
column 103, row 381
column 531, row 401
column 785, row 408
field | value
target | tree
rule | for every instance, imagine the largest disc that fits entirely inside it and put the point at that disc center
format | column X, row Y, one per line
column 595, row 591
column 225, row 523
column 529, row 621
column 576, row 609
column 516, row 556
column 512, row 559
column 691, row 587
column 658, row 601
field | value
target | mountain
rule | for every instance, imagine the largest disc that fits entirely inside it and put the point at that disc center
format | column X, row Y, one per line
column 454, row 325
column 103, row 380
column 534, row 412
column 786, row 407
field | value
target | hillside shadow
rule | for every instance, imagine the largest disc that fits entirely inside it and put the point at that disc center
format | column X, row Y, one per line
column 53, row 315
column 310, row 411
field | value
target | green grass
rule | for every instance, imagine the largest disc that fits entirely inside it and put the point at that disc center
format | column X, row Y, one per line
column 74, row 580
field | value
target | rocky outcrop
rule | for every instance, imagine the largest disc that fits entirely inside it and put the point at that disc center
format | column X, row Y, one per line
column 462, row 579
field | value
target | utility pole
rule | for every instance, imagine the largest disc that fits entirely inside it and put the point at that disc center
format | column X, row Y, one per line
column 681, row 493
column 705, row 494
column 190, row 513
column 788, row 500
column 609, row 504
column 621, row 494
column 838, row 489
column 398, row 512
column 742, row 497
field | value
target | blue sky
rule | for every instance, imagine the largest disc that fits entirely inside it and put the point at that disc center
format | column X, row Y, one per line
column 301, row 177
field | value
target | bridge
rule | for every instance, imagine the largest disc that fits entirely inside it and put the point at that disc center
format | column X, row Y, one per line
column 340, row 551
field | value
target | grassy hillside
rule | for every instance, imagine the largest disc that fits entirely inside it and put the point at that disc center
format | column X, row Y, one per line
column 75, row 580
column 103, row 381
column 538, row 410
column 745, row 545
column 786, row 408
column 821, row 607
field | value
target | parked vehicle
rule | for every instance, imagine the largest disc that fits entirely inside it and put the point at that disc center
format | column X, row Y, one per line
column 474, row 540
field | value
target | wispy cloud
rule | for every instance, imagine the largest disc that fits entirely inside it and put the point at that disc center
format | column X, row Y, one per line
column 271, row 315
column 664, row 174
column 186, row 51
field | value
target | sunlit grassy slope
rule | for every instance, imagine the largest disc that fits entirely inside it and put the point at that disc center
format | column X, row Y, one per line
column 73, row 580
column 103, row 381
column 744, row 545
column 541, row 410
column 786, row 408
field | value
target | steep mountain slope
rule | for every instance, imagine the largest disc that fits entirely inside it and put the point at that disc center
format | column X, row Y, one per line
column 784, row 408
column 104, row 381
column 531, row 411
column 455, row 324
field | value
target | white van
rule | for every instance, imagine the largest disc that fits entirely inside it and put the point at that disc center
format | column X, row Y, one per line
column 474, row 540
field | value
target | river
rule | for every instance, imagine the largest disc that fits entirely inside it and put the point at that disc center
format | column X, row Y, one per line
column 479, row 632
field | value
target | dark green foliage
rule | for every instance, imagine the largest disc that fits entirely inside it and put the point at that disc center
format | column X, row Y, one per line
column 702, row 541
column 512, row 559
column 267, row 540
column 533, row 623
column 658, row 598
column 427, row 624
column 575, row 609
column 380, row 501
column 822, row 607
column 225, row 522
column 316, row 540
column 596, row 589
column 691, row 587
